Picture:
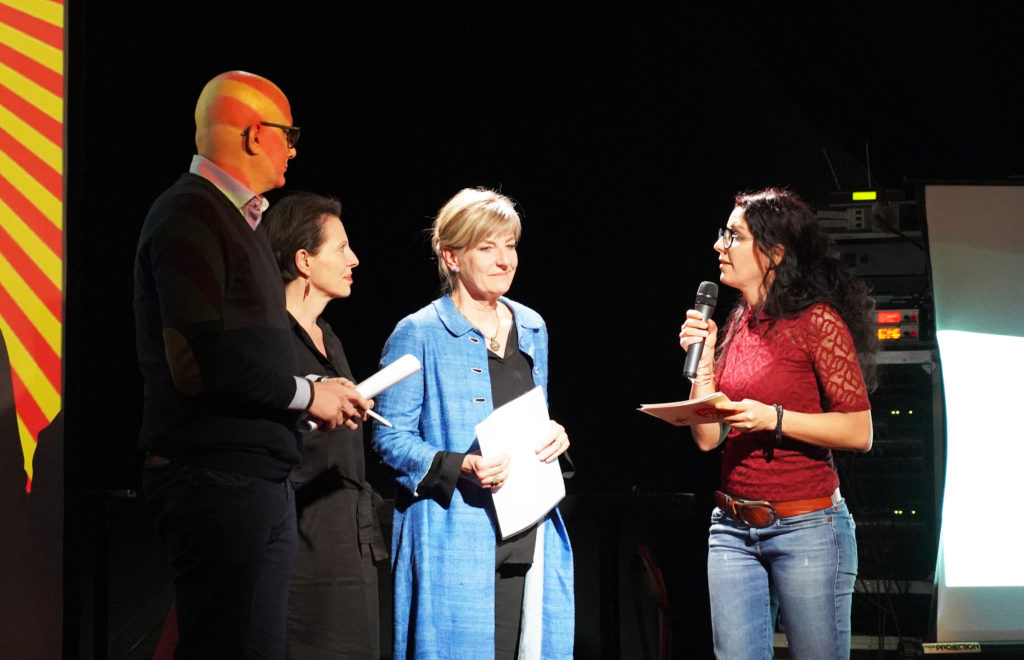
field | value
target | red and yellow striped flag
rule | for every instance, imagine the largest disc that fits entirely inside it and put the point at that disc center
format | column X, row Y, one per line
column 32, row 207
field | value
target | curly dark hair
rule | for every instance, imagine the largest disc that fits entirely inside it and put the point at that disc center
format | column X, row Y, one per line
column 809, row 272
column 296, row 222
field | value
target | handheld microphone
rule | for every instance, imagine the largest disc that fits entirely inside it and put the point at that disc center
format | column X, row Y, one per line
column 707, row 297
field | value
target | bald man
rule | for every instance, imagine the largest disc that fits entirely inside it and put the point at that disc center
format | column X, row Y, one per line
column 221, row 403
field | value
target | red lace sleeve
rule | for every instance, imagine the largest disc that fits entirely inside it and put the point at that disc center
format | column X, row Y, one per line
column 830, row 345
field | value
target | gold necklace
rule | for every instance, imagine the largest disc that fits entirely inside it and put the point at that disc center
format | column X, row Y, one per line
column 492, row 341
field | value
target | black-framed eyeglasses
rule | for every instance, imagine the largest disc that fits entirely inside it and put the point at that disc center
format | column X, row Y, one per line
column 291, row 133
column 728, row 237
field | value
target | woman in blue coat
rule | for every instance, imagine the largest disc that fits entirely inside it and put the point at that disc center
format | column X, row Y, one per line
column 461, row 591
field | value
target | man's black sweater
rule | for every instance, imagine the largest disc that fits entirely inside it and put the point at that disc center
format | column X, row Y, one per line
column 213, row 337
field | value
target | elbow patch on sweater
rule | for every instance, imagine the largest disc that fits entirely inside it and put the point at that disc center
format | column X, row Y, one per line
column 182, row 363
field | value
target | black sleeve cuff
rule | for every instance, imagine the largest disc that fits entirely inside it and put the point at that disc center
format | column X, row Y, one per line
column 440, row 481
column 567, row 466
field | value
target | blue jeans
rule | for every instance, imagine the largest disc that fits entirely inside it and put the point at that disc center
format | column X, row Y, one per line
column 806, row 565
column 231, row 539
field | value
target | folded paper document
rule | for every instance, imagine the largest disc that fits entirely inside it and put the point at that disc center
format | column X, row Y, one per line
column 691, row 411
column 533, row 488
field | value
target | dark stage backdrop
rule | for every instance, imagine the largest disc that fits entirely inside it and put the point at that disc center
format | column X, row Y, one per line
column 623, row 130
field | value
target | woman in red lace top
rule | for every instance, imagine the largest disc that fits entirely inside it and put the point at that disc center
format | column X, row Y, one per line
column 792, row 361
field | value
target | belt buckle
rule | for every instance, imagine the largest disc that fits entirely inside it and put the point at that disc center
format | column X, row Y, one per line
column 152, row 461
column 760, row 508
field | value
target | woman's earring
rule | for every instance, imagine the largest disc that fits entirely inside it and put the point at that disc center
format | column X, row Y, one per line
column 455, row 270
column 305, row 294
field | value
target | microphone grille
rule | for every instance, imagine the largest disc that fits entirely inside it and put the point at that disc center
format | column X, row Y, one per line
column 707, row 293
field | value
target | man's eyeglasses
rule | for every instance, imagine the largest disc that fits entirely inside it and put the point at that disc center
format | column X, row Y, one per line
column 728, row 237
column 291, row 133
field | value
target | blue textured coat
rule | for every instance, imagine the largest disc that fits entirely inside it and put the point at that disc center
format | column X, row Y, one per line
column 443, row 559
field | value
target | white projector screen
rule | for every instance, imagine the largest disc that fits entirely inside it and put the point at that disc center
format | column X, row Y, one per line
column 976, row 238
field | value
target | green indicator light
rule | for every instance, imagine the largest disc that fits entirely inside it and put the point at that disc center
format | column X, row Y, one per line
column 865, row 196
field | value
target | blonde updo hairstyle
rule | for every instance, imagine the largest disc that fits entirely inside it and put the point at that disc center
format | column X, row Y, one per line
column 468, row 218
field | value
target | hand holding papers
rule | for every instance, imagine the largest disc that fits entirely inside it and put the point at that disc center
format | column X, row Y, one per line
column 692, row 411
column 533, row 487
column 401, row 368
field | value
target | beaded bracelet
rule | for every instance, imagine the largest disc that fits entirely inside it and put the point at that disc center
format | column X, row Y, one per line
column 778, row 422
column 704, row 377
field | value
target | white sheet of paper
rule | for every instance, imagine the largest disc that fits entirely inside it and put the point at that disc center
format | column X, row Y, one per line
column 533, row 487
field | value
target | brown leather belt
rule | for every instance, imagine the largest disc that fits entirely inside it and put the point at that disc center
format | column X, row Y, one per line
column 762, row 513
column 152, row 460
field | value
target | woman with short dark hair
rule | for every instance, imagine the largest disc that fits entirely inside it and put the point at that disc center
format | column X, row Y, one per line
column 332, row 599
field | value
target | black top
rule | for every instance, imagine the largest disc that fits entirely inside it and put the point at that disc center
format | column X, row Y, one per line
column 342, row 447
column 335, row 460
column 213, row 338
column 511, row 377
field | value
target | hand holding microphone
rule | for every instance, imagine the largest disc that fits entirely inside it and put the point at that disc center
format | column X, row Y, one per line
column 698, row 328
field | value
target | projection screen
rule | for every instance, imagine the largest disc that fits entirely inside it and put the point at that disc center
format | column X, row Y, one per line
column 976, row 237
